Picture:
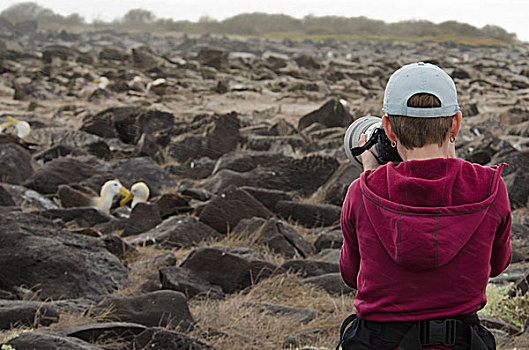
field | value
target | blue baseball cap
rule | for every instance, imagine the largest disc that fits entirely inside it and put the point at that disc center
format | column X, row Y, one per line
column 418, row 78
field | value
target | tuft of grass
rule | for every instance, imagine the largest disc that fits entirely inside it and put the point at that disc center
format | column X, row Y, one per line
column 7, row 335
column 500, row 306
column 259, row 330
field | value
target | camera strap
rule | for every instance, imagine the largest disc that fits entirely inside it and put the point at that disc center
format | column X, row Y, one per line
column 356, row 151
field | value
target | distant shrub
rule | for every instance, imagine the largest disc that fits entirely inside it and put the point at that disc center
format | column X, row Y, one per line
column 267, row 25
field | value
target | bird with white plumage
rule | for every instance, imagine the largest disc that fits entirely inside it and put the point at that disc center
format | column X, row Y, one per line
column 102, row 82
column 139, row 193
column 22, row 128
column 79, row 196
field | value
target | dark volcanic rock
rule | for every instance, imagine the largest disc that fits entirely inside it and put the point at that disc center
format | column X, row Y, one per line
column 45, row 341
column 85, row 217
column 140, row 169
column 230, row 272
column 298, row 314
column 186, row 281
column 331, row 282
column 309, row 268
column 267, row 196
column 99, row 332
column 113, row 54
column 58, row 51
column 5, row 198
column 15, row 163
column 127, row 123
column 329, row 239
column 147, row 146
column 172, row 204
column 24, row 196
column 162, row 308
column 163, row 339
column 143, row 217
column 304, row 175
column 212, row 137
column 36, row 252
column 26, row 313
column 60, row 171
column 213, row 57
column 279, row 237
column 332, row 113
column 177, row 231
column 336, row 187
column 231, row 206
column 309, row 214
column 194, row 169
column 101, row 124
column 242, row 162
column 117, row 246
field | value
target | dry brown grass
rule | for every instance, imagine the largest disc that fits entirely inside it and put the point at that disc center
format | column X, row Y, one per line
column 92, row 315
column 250, row 328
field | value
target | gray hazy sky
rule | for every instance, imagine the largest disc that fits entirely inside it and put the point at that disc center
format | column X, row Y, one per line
column 509, row 14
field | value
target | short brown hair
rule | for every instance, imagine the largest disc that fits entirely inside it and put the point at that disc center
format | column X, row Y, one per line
column 415, row 132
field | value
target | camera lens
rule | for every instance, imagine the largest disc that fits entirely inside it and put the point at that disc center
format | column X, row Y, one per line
column 365, row 125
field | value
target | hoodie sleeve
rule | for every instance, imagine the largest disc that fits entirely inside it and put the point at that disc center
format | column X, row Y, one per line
column 501, row 248
column 350, row 256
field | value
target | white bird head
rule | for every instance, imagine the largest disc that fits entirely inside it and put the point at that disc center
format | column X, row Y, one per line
column 112, row 188
column 22, row 128
column 102, row 82
column 139, row 192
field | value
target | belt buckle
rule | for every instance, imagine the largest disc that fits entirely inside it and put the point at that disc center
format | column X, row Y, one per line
column 438, row 332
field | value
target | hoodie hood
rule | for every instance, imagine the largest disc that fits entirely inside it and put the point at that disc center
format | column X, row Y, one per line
column 426, row 210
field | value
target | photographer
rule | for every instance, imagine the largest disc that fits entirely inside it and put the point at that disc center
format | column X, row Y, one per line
column 422, row 238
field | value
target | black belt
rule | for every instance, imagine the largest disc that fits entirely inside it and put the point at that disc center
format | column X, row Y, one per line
column 415, row 334
column 445, row 332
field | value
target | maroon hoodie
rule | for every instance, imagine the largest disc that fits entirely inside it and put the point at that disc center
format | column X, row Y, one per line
column 421, row 239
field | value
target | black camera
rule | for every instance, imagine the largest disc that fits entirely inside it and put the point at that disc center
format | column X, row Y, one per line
column 376, row 141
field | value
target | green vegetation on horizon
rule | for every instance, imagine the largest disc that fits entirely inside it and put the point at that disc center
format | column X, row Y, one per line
column 270, row 26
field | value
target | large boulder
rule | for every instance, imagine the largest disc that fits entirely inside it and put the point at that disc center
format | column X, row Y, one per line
column 60, row 171
column 224, row 211
column 62, row 52
column 213, row 57
column 332, row 113
column 310, row 268
column 516, row 175
column 143, row 217
column 46, row 341
column 332, row 283
column 268, row 197
column 37, row 253
column 164, row 308
column 113, row 54
column 127, row 123
column 138, row 169
column 279, row 237
column 208, row 137
column 22, row 196
column 26, row 313
column 186, row 281
column 336, row 187
column 100, row 332
column 229, row 270
column 178, row 232
column 303, row 175
column 15, row 163
column 309, row 214
column 162, row 339
column 242, row 162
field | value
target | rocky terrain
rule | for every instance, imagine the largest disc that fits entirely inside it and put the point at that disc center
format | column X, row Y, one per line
column 240, row 143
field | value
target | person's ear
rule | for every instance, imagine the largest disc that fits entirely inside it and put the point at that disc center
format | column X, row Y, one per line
column 387, row 128
column 456, row 123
